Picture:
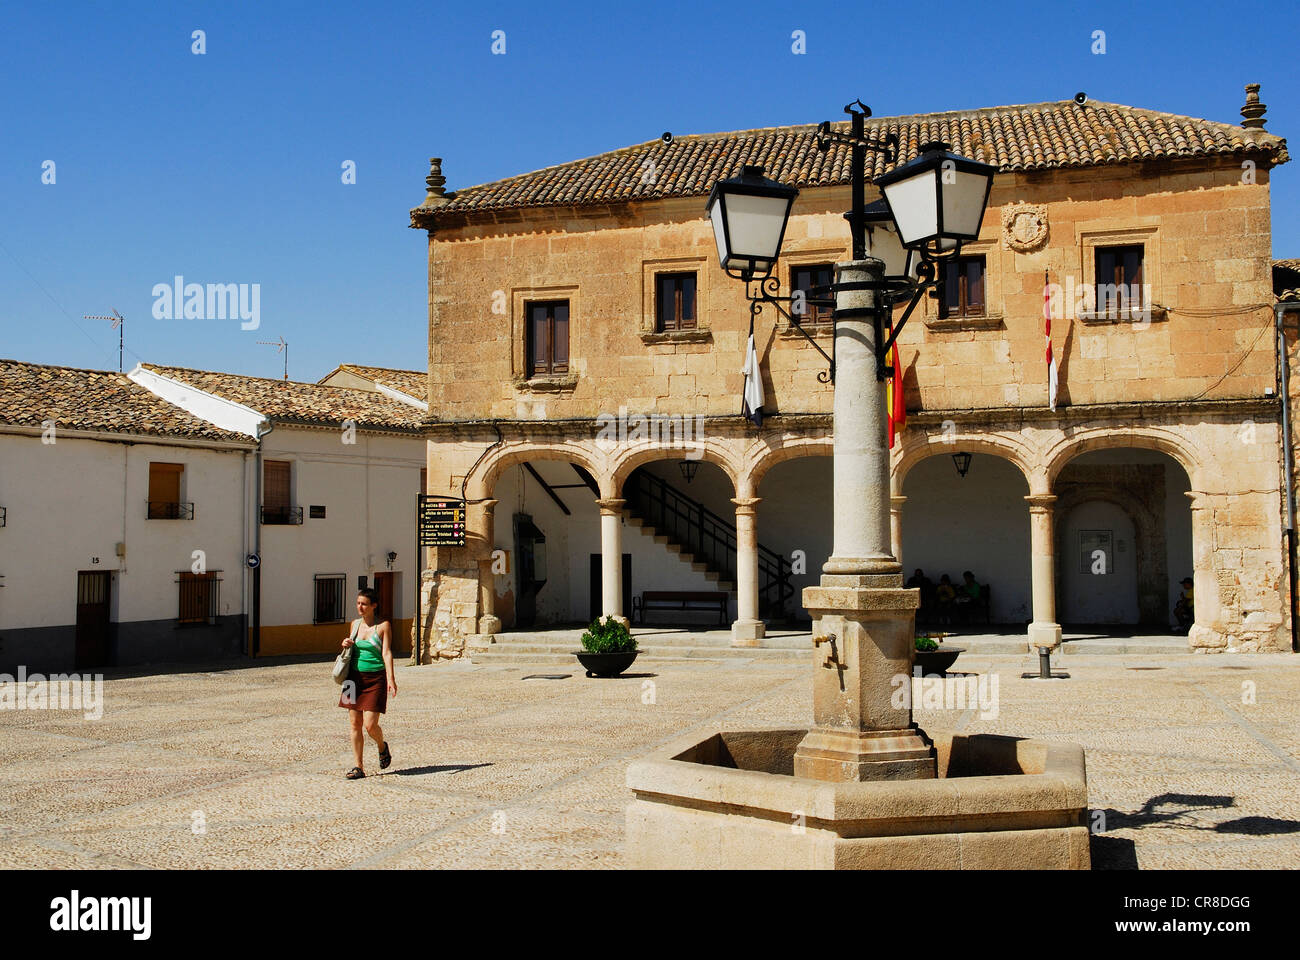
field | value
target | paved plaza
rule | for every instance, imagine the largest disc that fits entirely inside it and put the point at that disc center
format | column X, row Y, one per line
column 1193, row 761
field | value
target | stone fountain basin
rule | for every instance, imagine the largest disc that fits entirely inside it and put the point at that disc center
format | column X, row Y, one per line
column 732, row 801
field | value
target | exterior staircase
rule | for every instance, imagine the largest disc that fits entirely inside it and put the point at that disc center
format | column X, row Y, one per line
column 666, row 645
column 704, row 540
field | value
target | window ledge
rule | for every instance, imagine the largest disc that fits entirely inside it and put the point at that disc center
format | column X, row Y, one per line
column 992, row 321
column 815, row 330
column 547, row 384
column 678, row 336
column 1154, row 314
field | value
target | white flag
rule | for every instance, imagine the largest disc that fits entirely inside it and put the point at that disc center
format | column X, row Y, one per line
column 753, row 403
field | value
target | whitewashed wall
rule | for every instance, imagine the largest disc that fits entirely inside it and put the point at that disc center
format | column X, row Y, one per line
column 71, row 502
column 368, row 490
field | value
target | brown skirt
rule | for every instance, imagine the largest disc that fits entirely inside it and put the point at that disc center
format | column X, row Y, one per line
column 365, row 691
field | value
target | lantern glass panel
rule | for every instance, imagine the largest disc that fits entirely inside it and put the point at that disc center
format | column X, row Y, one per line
column 914, row 202
column 756, row 226
column 883, row 244
column 963, row 204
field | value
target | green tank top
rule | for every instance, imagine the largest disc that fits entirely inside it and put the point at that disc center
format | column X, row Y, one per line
column 370, row 652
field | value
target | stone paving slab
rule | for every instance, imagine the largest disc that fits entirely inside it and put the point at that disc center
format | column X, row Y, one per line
column 1195, row 763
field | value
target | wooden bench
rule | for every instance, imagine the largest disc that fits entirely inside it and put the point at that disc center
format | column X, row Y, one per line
column 680, row 600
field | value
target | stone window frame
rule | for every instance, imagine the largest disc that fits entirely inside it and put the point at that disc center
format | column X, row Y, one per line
column 993, row 317
column 649, row 330
column 520, row 298
column 808, row 257
column 1130, row 231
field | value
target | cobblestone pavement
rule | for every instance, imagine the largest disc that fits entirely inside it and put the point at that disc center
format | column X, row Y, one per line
column 1193, row 761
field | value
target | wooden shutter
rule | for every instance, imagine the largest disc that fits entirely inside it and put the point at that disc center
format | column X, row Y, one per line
column 275, row 485
column 165, row 482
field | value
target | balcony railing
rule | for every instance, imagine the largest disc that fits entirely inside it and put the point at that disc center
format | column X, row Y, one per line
column 166, row 510
column 281, row 516
column 3, row 514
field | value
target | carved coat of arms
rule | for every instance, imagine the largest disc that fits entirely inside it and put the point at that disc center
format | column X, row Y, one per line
column 1024, row 226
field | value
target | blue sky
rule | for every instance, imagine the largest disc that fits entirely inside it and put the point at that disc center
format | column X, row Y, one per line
column 226, row 167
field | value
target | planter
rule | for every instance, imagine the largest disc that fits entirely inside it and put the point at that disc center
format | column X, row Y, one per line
column 937, row 661
column 606, row 664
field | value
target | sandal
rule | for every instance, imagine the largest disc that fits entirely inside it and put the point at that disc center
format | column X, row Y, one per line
column 356, row 773
column 385, row 757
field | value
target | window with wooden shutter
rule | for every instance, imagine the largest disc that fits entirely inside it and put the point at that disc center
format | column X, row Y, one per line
column 165, row 491
column 277, row 498
column 675, row 301
column 805, row 278
column 963, row 287
column 199, row 597
column 1119, row 278
column 548, row 338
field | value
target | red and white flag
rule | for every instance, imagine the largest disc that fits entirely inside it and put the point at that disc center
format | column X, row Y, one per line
column 1051, row 361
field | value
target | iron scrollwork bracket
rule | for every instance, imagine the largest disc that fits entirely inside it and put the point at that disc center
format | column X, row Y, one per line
column 766, row 291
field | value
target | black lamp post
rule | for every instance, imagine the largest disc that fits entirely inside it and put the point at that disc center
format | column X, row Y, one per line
column 931, row 205
column 962, row 462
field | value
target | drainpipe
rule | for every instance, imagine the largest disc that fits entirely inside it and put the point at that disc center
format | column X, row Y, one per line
column 1288, row 470
column 263, row 430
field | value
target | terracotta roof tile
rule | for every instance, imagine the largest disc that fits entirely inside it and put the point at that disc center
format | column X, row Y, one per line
column 1286, row 280
column 75, row 399
column 413, row 383
column 291, row 401
column 1038, row 136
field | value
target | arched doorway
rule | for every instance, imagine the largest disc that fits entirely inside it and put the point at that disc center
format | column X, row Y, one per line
column 546, row 524
column 795, row 518
column 977, row 522
column 1124, row 539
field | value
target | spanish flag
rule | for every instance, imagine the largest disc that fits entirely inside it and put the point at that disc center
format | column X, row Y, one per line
column 894, row 399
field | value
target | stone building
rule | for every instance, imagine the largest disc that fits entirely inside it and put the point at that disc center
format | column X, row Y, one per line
column 585, row 358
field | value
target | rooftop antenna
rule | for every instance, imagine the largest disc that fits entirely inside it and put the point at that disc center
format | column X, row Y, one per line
column 119, row 324
column 281, row 346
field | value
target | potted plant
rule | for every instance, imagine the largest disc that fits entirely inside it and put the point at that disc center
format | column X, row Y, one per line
column 934, row 658
column 607, row 648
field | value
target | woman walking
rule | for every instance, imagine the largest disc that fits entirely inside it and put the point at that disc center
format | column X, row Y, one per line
column 370, row 681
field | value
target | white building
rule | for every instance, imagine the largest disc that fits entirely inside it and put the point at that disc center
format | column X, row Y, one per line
column 124, row 521
column 337, row 473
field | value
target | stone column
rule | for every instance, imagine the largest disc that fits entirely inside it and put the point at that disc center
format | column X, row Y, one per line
column 611, row 559
column 1044, row 631
column 488, row 621
column 863, row 618
column 1206, row 628
column 896, row 527
column 748, row 630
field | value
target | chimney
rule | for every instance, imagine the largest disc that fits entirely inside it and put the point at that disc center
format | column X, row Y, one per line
column 1253, row 111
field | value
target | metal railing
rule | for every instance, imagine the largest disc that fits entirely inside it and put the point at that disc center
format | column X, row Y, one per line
column 281, row 516
column 708, row 537
column 200, row 597
column 329, row 589
column 167, row 510
column 3, row 515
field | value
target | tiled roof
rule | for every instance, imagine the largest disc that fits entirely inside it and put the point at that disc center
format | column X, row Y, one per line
column 413, row 383
column 291, row 401
column 31, row 393
column 1286, row 280
column 1037, row 136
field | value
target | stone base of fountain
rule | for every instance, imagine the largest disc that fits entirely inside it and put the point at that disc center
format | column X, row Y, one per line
column 732, row 802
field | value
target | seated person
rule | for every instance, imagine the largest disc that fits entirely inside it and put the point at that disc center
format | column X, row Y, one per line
column 1185, row 608
column 945, row 594
column 969, row 590
column 920, row 581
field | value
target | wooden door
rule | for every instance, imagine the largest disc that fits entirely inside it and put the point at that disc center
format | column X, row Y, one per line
column 92, row 618
column 384, row 587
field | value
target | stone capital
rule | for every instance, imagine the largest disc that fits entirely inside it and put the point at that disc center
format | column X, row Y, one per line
column 1040, row 501
column 746, row 506
column 896, row 502
column 611, row 507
